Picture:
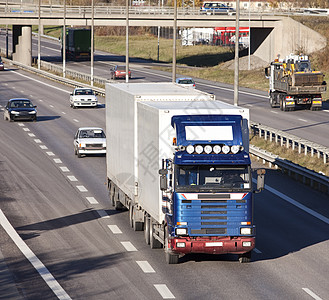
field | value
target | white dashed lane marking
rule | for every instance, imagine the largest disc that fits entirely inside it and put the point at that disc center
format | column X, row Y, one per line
column 72, row 178
column 145, row 266
column 52, row 106
column 81, row 188
column 63, row 112
column 37, row 141
column 75, row 120
column 64, row 169
column 43, row 147
column 257, row 251
column 164, row 291
column 129, row 246
column 57, row 161
column 50, row 153
column 21, row 124
column 31, row 134
column 102, row 213
column 115, row 229
column 92, row 200
column 26, row 129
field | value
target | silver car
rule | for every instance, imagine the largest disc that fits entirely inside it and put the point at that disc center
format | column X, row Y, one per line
column 89, row 140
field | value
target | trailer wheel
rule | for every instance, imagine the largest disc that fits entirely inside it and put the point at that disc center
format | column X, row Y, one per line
column 147, row 229
column 171, row 258
column 154, row 243
column 245, row 257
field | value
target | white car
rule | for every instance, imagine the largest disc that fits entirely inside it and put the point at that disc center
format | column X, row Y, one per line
column 186, row 81
column 82, row 97
column 89, row 140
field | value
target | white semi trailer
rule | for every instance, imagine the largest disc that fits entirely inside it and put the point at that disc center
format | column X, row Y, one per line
column 157, row 134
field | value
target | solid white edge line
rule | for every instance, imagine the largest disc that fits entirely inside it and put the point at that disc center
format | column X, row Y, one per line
column 54, row 87
column 164, row 291
column 313, row 295
column 128, row 246
column 295, row 203
column 145, row 266
column 33, row 259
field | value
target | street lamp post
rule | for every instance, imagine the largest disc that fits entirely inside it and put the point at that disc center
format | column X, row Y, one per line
column 127, row 41
column 39, row 36
column 236, row 56
column 174, row 43
column 64, row 39
column 92, row 45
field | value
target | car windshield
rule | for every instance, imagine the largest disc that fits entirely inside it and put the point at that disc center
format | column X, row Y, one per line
column 20, row 104
column 186, row 81
column 210, row 178
column 84, row 92
column 91, row 133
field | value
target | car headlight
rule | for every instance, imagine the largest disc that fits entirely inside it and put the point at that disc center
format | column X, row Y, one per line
column 14, row 112
column 181, row 231
column 246, row 231
column 32, row 112
column 81, row 145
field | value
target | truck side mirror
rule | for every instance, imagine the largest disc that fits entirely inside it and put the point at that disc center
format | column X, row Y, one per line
column 163, row 179
column 267, row 74
column 260, row 180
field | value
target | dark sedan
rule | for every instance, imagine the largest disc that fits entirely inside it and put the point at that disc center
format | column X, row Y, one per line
column 20, row 109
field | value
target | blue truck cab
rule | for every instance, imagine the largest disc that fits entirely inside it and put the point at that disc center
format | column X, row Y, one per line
column 207, row 188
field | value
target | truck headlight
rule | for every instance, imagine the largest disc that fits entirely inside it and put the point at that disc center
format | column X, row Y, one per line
column 207, row 149
column 199, row 149
column 181, row 231
column 246, row 231
column 217, row 149
column 190, row 149
column 226, row 149
column 235, row 149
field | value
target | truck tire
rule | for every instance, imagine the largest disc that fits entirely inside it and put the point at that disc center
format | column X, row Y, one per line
column 147, row 229
column 245, row 257
column 154, row 243
column 171, row 258
column 272, row 102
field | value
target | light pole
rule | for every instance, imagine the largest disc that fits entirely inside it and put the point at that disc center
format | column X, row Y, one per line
column 127, row 41
column 174, row 43
column 39, row 36
column 64, row 39
column 236, row 56
column 249, row 40
column 92, row 45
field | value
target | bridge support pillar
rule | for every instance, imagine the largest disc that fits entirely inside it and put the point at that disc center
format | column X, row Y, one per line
column 22, row 44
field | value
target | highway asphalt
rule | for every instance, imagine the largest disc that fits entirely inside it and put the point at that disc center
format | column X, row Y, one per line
column 58, row 205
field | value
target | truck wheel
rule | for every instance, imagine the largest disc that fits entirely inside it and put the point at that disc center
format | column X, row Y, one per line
column 154, row 243
column 272, row 102
column 171, row 258
column 147, row 230
column 245, row 257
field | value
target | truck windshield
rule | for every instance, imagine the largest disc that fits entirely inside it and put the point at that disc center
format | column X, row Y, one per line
column 211, row 178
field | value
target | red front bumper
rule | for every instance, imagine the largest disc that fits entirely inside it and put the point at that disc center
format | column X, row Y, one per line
column 212, row 245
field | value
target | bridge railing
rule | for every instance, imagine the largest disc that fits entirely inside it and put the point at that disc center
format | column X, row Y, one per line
column 99, row 11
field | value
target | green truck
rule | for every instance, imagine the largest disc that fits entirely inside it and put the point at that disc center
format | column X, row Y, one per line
column 78, row 43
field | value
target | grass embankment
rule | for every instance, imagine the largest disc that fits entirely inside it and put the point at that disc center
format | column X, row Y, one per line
column 312, row 163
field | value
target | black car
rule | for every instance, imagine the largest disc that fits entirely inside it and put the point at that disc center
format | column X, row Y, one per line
column 20, row 109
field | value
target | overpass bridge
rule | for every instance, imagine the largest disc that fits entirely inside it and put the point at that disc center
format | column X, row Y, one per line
column 269, row 34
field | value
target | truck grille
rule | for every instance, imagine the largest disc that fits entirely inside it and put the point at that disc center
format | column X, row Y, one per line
column 213, row 214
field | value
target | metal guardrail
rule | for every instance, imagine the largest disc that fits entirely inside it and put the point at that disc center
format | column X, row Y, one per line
column 101, row 10
column 310, row 177
column 314, row 179
column 289, row 140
